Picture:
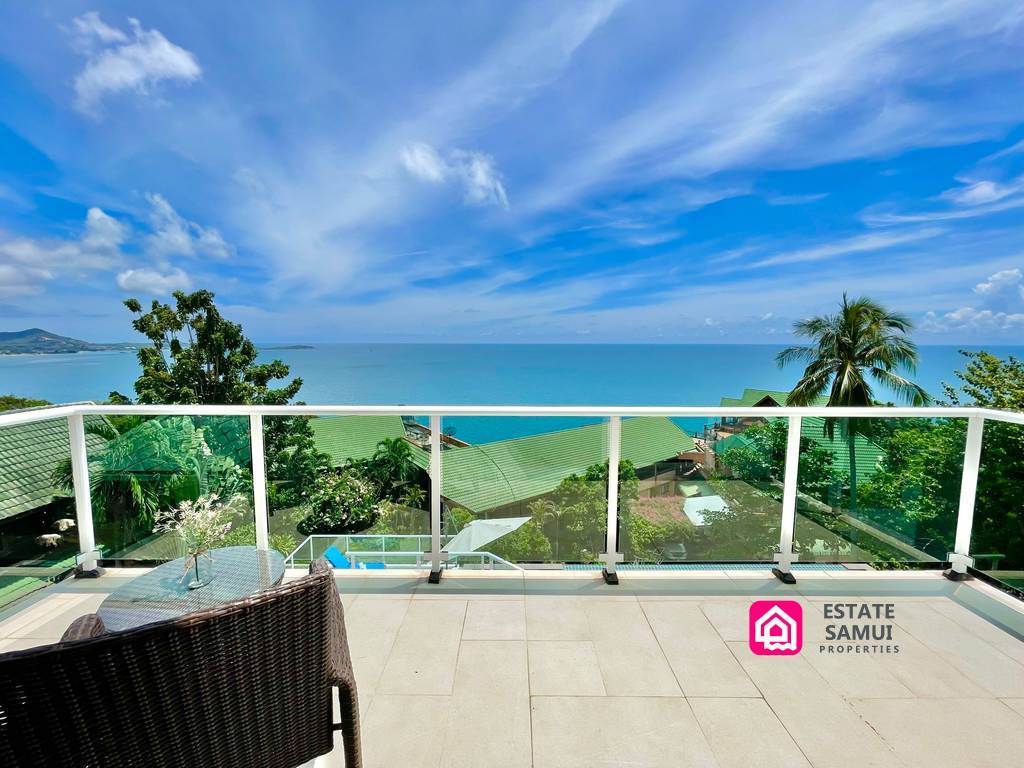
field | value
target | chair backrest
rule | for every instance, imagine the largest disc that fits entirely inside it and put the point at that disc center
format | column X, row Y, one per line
column 241, row 684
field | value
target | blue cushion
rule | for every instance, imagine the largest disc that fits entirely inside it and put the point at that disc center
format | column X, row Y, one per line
column 335, row 558
column 372, row 566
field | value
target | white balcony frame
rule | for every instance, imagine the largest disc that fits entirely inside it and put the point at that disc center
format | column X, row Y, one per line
column 74, row 413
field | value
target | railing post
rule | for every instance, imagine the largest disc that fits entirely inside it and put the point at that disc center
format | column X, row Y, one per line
column 959, row 558
column 435, row 500
column 87, row 563
column 259, row 482
column 611, row 553
column 785, row 557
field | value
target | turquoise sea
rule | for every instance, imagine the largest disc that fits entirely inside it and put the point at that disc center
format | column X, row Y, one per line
column 482, row 374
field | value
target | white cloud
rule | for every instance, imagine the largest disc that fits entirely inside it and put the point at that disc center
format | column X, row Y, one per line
column 90, row 29
column 982, row 192
column 475, row 171
column 118, row 62
column 153, row 282
column 480, row 178
column 27, row 263
column 423, row 162
column 174, row 235
column 998, row 306
column 103, row 233
column 857, row 244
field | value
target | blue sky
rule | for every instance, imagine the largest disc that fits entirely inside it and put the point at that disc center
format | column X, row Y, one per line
column 485, row 171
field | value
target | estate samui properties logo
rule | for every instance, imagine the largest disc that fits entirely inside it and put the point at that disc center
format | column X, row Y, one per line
column 776, row 627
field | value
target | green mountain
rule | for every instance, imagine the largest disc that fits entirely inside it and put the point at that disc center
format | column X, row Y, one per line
column 37, row 341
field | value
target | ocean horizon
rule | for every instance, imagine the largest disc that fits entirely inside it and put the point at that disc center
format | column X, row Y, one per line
column 485, row 374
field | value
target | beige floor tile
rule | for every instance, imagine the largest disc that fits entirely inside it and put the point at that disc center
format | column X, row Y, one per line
column 700, row 659
column 984, row 664
column 372, row 626
column 48, row 618
column 745, row 733
column 493, row 667
column 827, row 730
column 21, row 644
column 564, row 668
column 554, row 617
column 407, row 731
column 632, row 663
column 929, row 732
column 854, row 675
column 1017, row 705
column 571, row 732
column 495, row 620
column 976, row 625
column 487, row 731
column 426, row 649
column 925, row 673
column 728, row 617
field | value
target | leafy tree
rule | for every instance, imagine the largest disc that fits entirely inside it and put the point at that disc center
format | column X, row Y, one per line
column 762, row 458
column 152, row 465
column 342, row 501
column 574, row 515
column 13, row 402
column 861, row 345
column 196, row 356
column 392, row 468
column 525, row 544
column 991, row 382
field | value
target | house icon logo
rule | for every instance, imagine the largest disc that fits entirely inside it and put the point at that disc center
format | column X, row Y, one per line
column 776, row 627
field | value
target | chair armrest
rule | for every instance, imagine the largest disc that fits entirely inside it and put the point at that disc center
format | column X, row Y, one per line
column 90, row 625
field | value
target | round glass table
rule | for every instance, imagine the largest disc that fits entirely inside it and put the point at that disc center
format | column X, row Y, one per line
column 163, row 593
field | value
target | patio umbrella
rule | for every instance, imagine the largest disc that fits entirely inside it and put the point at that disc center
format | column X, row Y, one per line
column 480, row 532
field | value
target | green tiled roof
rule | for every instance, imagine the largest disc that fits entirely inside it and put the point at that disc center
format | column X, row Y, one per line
column 346, row 438
column 866, row 451
column 754, row 396
column 28, row 455
column 482, row 477
column 489, row 475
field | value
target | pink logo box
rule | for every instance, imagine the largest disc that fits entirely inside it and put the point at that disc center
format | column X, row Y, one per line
column 776, row 627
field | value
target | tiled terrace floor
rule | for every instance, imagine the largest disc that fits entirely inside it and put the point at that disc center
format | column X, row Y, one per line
column 561, row 670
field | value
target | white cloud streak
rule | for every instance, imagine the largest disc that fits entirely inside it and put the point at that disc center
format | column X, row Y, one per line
column 867, row 243
column 173, row 235
column 118, row 62
column 476, row 172
column 152, row 282
column 26, row 264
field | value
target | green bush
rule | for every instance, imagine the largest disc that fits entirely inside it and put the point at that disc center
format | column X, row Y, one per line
column 340, row 502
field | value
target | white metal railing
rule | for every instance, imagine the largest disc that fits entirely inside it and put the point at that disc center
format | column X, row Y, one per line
column 785, row 555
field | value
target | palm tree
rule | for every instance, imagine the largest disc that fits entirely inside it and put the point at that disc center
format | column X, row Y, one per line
column 392, row 466
column 862, row 344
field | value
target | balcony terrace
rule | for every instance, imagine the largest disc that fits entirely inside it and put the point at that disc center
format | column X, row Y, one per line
column 521, row 661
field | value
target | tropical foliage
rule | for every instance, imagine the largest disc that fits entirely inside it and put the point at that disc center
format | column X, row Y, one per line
column 862, row 346
column 155, row 465
column 196, row 356
column 340, row 502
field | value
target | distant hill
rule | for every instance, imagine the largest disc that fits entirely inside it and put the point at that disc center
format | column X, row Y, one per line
column 37, row 341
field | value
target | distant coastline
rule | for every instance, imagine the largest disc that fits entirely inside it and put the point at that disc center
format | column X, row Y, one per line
column 36, row 341
column 288, row 346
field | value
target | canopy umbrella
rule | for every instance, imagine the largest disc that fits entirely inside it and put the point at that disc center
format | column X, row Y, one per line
column 480, row 532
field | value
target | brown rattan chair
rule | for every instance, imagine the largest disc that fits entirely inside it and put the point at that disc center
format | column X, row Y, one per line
column 244, row 684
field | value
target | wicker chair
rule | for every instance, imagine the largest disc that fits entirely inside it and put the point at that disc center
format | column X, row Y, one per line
column 244, row 684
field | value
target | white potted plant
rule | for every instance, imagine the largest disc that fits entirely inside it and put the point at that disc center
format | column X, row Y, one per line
column 200, row 525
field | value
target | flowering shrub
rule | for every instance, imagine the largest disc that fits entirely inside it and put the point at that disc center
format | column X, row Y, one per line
column 199, row 524
column 341, row 502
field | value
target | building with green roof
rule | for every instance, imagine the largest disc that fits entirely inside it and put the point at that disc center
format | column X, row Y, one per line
column 29, row 453
column 504, row 473
column 866, row 452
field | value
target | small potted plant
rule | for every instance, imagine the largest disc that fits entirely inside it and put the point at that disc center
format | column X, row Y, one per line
column 200, row 525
